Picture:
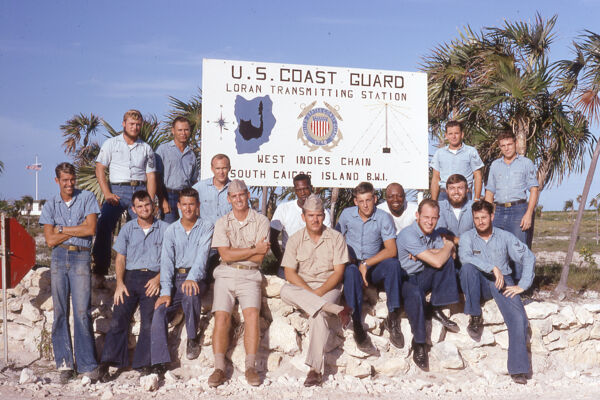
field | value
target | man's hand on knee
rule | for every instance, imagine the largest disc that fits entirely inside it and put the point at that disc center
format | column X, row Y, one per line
column 190, row 288
column 166, row 300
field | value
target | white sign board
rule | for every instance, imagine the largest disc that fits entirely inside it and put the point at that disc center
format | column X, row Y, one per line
column 342, row 126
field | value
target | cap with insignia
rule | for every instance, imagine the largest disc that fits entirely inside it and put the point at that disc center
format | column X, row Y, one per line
column 313, row 203
column 236, row 186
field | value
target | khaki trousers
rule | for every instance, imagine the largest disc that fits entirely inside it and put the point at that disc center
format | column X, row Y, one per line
column 318, row 325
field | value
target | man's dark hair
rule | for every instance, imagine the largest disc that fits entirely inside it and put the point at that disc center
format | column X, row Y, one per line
column 506, row 135
column 189, row 192
column 483, row 205
column 65, row 167
column 430, row 203
column 302, row 177
column 450, row 124
column 180, row 119
column 362, row 188
column 140, row 195
column 456, row 178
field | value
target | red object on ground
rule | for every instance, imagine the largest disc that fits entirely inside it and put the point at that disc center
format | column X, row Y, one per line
column 21, row 252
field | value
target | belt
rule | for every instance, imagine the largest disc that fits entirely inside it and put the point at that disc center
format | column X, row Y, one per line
column 511, row 203
column 130, row 183
column 183, row 270
column 70, row 247
column 242, row 266
column 174, row 191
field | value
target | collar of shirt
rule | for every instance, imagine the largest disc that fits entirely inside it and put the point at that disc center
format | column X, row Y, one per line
column 325, row 235
column 152, row 227
column 211, row 183
column 121, row 137
column 186, row 150
column 518, row 157
column 373, row 216
column 180, row 227
column 491, row 236
column 249, row 218
column 461, row 148
column 429, row 239
column 58, row 200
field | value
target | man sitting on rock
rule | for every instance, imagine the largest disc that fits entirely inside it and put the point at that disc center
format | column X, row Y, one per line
column 370, row 234
column 182, row 267
column 242, row 240
column 314, row 262
column 137, row 268
column 485, row 253
column 427, row 259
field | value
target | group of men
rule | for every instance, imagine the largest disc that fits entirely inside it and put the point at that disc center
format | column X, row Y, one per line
column 208, row 231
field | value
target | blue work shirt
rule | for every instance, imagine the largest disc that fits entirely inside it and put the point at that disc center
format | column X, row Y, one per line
column 213, row 202
column 141, row 250
column 510, row 182
column 365, row 239
column 178, row 169
column 412, row 241
column 126, row 163
column 180, row 250
column 448, row 218
column 464, row 162
column 56, row 212
column 502, row 247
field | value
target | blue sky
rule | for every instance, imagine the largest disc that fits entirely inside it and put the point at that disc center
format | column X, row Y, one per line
column 59, row 58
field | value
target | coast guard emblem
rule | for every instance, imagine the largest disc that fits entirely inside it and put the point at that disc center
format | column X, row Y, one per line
column 320, row 127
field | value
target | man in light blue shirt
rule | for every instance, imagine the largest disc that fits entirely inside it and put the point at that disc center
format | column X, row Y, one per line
column 455, row 158
column 131, row 166
column 455, row 213
column 69, row 221
column 177, row 167
column 370, row 234
column 426, row 257
column 137, row 267
column 485, row 253
column 182, row 266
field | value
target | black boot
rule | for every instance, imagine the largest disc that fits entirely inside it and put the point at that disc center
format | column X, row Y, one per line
column 420, row 356
column 360, row 336
column 193, row 348
column 393, row 326
column 475, row 327
column 448, row 324
column 521, row 379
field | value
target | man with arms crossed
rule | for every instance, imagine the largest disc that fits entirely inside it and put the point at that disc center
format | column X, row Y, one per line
column 314, row 262
column 402, row 211
column 287, row 218
column 131, row 167
column 182, row 267
column 371, row 235
column 137, row 267
column 485, row 252
column 69, row 221
column 455, row 158
column 176, row 164
column 427, row 259
column 242, row 239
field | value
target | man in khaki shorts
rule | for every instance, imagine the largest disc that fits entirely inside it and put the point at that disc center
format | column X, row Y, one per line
column 314, row 262
column 242, row 239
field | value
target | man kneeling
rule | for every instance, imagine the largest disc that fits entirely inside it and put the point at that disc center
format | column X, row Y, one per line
column 314, row 262
column 485, row 252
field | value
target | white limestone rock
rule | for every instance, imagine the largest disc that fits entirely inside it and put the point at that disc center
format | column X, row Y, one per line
column 463, row 341
column 594, row 308
column 448, row 355
column 41, row 278
column 540, row 310
column 107, row 395
column 298, row 321
column 396, row 366
column 85, row 380
column 358, row 368
column 566, row 318
column 541, row 326
column 149, row 382
column 579, row 336
column 274, row 361
column 273, row 285
column 584, row 316
column 281, row 336
column 27, row 376
column 46, row 304
column 502, row 339
column 491, row 313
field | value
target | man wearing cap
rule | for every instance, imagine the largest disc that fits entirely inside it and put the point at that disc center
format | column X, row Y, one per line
column 69, row 221
column 137, row 267
column 371, row 238
column 455, row 212
column 131, row 166
column 314, row 262
column 287, row 218
column 402, row 211
column 177, row 167
column 182, row 266
column 242, row 239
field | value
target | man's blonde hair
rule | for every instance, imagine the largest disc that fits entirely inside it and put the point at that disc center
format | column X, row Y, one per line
column 133, row 114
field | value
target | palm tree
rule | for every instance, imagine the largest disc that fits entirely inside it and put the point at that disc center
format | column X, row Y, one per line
column 569, row 206
column 595, row 202
column 581, row 81
column 1, row 167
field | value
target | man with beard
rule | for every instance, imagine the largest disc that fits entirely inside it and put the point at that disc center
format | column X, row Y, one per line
column 131, row 166
column 287, row 218
column 402, row 211
column 314, row 264
column 485, row 252
column 455, row 213
column 370, row 235
column 426, row 257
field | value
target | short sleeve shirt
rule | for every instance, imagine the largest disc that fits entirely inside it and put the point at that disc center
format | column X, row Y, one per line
column 229, row 232
column 141, row 250
column 178, row 169
column 464, row 162
column 126, row 163
column 213, row 202
column 315, row 261
column 412, row 241
column 407, row 217
column 365, row 239
column 56, row 212
column 288, row 220
column 510, row 182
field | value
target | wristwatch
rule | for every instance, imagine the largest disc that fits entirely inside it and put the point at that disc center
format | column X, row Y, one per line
column 253, row 246
column 60, row 229
column 364, row 262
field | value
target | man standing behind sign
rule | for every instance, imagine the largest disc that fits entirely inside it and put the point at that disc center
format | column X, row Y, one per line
column 69, row 221
column 131, row 167
column 288, row 219
column 402, row 211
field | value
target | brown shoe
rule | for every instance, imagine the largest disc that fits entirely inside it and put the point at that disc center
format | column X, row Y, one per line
column 252, row 377
column 313, row 378
column 217, row 378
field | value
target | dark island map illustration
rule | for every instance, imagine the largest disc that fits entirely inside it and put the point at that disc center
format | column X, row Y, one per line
column 255, row 121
